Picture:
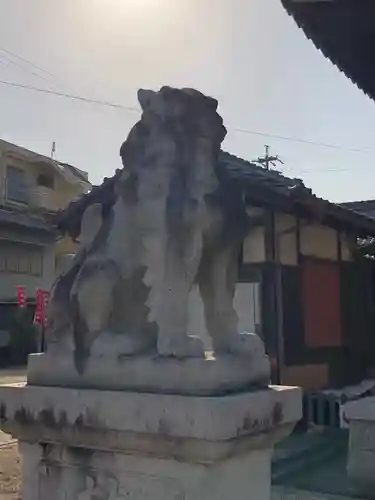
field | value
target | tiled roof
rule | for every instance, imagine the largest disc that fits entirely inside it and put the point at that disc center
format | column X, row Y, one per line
column 359, row 205
column 365, row 207
column 80, row 174
column 245, row 170
column 344, row 30
column 276, row 190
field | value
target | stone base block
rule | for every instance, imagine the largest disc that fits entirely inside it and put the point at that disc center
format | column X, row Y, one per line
column 90, row 444
column 61, row 473
column 191, row 376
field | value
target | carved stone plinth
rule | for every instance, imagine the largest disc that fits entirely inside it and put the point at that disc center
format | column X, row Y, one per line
column 190, row 376
column 90, row 444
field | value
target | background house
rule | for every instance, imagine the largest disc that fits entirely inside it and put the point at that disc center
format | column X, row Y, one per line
column 32, row 188
column 302, row 284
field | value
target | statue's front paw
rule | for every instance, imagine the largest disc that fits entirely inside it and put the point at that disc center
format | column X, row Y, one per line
column 252, row 346
column 185, row 347
column 248, row 344
column 194, row 347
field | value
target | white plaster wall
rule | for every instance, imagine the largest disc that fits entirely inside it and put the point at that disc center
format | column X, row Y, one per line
column 246, row 303
column 286, row 238
column 254, row 249
column 254, row 211
column 319, row 241
column 316, row 240
column 346, row 253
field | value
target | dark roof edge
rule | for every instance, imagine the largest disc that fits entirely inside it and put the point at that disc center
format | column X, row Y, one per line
column 311, row 31
column 361, row 205
column 298, row 196
column 23, row 220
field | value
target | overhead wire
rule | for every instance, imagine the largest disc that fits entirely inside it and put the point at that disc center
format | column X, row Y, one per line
column 69, row 96
column 302, row 141
column 27, row 61
column 24, row 60
column 19, row 65
column 120, row 106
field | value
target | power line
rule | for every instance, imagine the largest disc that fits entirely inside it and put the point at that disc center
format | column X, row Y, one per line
column 18, row 65
column 137, row 110
column 27, row 61
column 33, row 65
column 301, row 141
column 68, row 96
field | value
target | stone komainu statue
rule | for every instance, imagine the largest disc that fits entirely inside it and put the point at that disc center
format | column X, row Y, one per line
column 170, row 218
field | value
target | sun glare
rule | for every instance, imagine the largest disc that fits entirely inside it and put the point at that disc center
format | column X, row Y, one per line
column 129, row 7
column 155, row 12
column 130, row 21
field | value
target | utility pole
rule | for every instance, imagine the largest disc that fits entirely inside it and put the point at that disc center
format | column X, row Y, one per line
column 267, row 160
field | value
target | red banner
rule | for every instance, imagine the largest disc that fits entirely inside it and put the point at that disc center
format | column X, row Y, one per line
column 45, row 306
column 42, row 298
column 21, row 296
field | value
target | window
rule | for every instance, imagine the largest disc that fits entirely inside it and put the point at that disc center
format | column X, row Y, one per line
column 20, row 258
column 45, row 180
column 36, row 263
column 16, row 185
column 12, row 259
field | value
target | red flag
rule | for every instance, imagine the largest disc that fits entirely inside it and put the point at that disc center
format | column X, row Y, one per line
column 45, row 306
column 42, row 298
column 21, row 296
column 38, row 308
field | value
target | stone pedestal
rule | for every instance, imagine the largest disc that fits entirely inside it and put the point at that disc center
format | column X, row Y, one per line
column 112, row 445
column 361, row 457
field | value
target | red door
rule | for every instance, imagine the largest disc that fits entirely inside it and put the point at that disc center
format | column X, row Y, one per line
column 321, row 303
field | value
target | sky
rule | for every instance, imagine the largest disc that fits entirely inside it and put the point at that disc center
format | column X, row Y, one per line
column 249, row 54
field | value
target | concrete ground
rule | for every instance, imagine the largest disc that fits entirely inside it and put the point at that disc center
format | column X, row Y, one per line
column 10, row 467
column 11, row 376
column 313, row 467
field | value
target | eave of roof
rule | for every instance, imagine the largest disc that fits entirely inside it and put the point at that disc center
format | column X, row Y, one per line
column 80, row 174
column 344, row 31
column 359, row 205
column 291, row 195
column 25, row 220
